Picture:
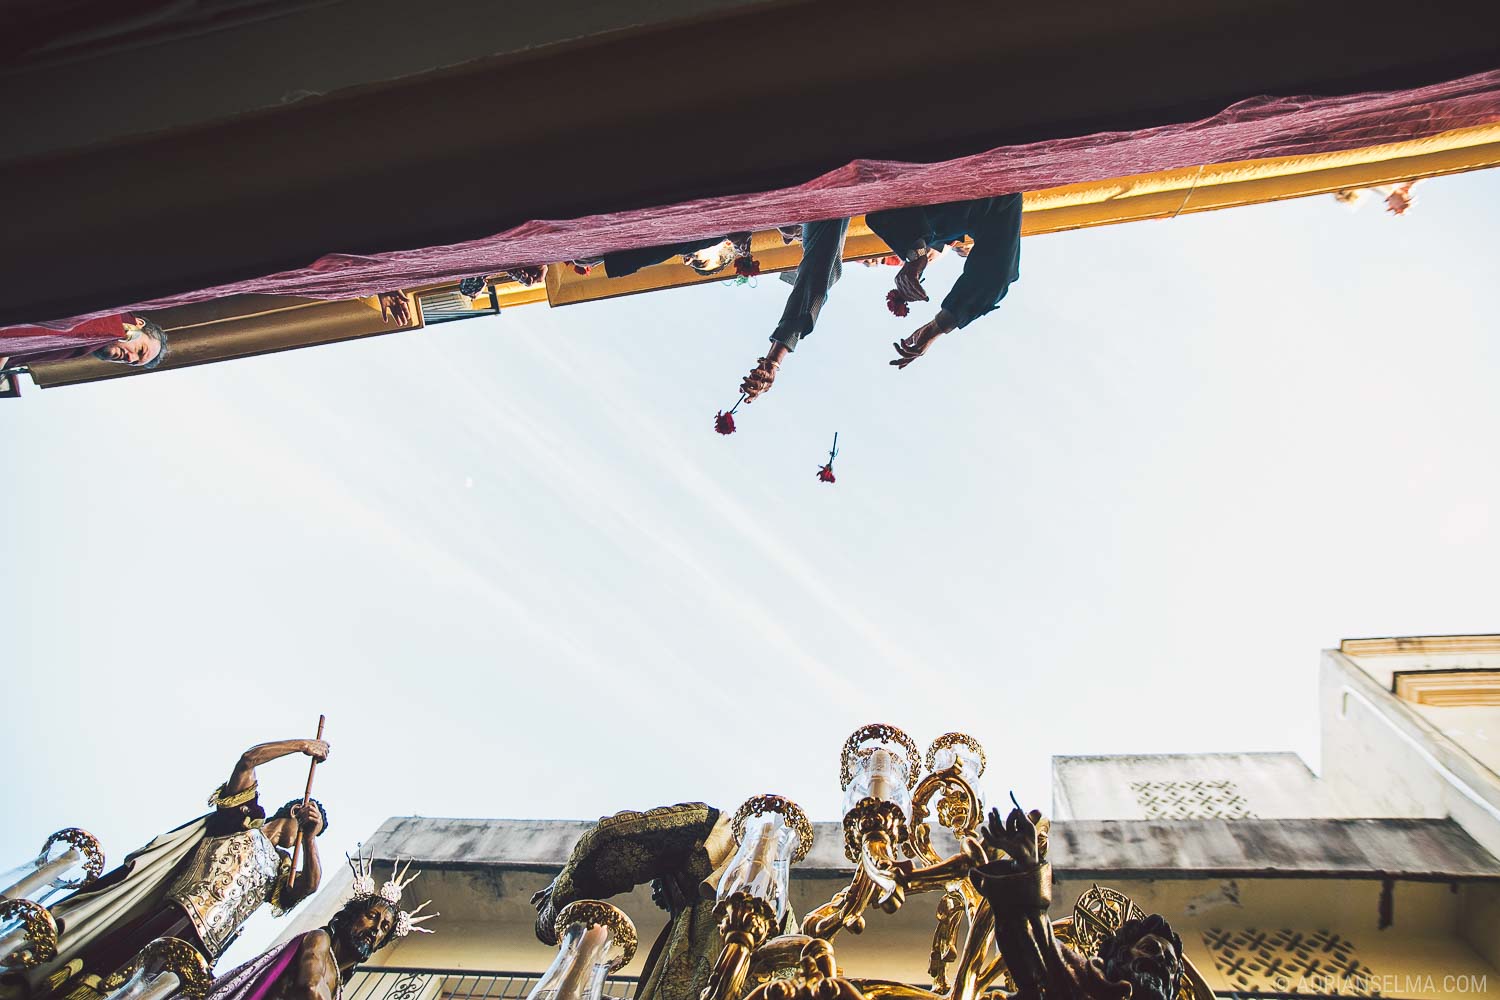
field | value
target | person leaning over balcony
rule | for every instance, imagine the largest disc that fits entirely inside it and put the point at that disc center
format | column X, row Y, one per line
column 124, row 339
column 820, row 270
column 917, row 235
column 705, row 256
column 990, row 266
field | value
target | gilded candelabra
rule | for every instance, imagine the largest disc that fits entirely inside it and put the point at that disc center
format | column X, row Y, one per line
column 893, row 798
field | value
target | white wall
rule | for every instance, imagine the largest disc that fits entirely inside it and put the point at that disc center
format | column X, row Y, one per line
column 1384, row 759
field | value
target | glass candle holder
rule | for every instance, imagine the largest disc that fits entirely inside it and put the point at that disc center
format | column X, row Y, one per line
column 70, row 859
column 879, row 762
column 163, row 968
column 958, row 750
column 772, row 833
column 593, row 940
column 28, row 935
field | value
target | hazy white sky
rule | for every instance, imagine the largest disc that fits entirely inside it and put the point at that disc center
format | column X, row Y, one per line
column 512, row 562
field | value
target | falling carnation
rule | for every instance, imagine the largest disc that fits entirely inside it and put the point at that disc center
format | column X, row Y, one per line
column 825, row 474
column 896, row 304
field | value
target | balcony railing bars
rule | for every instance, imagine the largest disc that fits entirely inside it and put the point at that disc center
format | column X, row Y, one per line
column 387, row 982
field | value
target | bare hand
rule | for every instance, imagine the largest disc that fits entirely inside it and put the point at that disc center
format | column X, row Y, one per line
column 309, row 818
column 316, row 749
column 394, row 308
column 916, row 345
column 759, row 380
column 909, row 279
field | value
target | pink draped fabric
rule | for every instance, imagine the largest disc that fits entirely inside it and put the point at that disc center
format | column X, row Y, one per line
column 94, row 333
column 1252, row 129
column 256, row 978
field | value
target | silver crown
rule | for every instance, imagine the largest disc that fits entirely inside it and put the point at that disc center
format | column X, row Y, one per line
column 364, row 888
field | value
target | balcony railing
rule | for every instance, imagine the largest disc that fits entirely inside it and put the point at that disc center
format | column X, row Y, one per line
column 389, row 982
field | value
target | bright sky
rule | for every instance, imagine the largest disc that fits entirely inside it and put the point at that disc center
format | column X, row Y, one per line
column 513, row 563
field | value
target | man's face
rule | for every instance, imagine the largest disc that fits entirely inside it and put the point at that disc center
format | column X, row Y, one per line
column 1151, row 966
column 134, row 349
column 370, row 927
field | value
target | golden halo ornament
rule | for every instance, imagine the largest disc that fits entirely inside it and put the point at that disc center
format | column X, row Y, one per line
column 596, row 911
column 795, row 818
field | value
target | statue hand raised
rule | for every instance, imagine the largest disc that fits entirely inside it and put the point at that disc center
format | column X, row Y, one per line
column 1017, row 836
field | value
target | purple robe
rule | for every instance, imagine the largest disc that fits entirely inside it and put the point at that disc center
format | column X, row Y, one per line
column 257, row 978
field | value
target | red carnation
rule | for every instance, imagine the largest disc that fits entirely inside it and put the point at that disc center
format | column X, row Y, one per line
column 724, row 422
column 580, row 269
column 825, row 474
column 896, row 303
column 746, row 267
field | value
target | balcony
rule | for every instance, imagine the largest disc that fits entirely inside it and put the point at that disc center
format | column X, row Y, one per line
column 390, row 982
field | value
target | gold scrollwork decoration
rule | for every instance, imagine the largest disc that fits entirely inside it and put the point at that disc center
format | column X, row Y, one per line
column 745, row 922
column 795, row 817
column 886, row 734
column 947, row 740
column 169, row 954
column 872, row 818
column 817, row 979
column 596, row 911
column 40, row 933
column 958, row 810
column 87, row 844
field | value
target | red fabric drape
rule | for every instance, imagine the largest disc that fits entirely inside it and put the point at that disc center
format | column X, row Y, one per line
column 1252, row 129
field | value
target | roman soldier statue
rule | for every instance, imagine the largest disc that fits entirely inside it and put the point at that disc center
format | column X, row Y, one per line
column 198, row 883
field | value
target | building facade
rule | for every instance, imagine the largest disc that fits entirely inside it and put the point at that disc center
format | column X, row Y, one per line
column 1374, row 875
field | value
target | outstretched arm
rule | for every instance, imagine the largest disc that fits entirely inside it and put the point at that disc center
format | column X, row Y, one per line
column 315, row 973
column 243, row 775
column 819, row 271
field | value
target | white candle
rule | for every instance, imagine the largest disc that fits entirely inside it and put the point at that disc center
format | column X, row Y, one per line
column 158, row 987
column 12, row 939
column 880, row 781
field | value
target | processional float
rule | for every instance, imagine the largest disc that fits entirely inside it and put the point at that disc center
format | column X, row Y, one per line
column 893, row 796
column 69, row 860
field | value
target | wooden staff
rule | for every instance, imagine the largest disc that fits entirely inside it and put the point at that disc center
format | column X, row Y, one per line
column 306, row 797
